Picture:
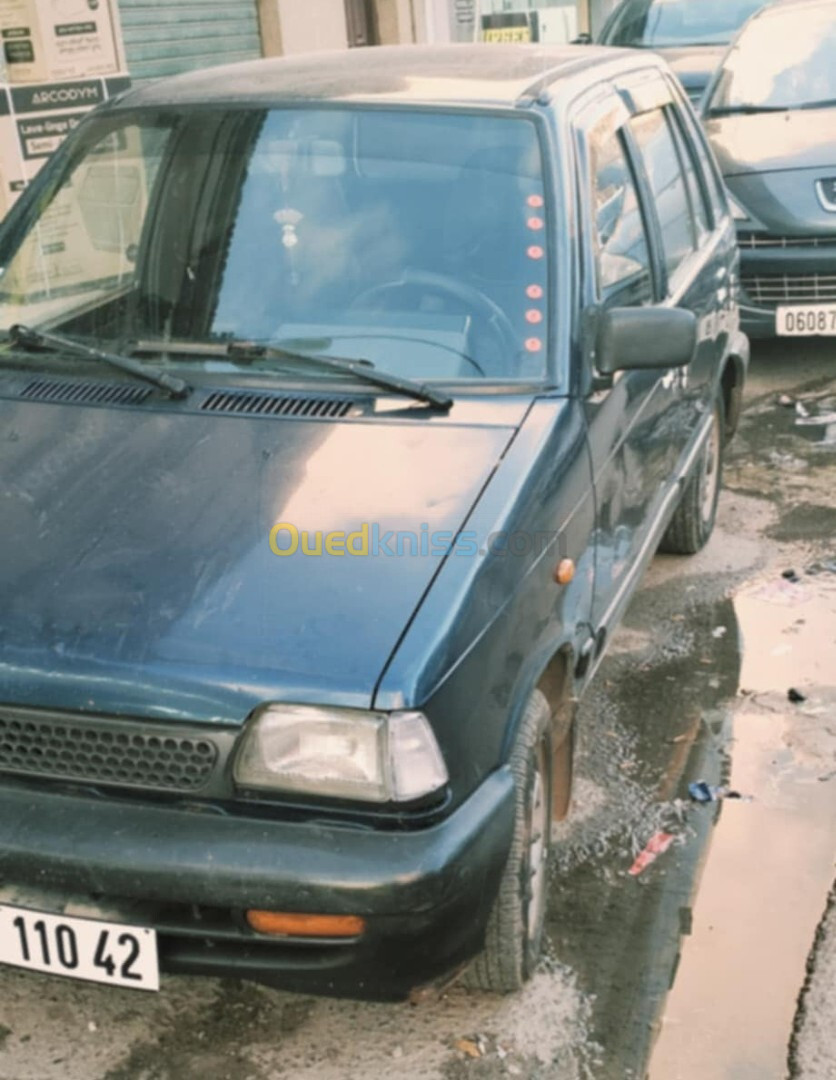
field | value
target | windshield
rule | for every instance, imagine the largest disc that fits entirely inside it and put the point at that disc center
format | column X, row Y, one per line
column 412, row 240
column 784, row 60
column 667, row 23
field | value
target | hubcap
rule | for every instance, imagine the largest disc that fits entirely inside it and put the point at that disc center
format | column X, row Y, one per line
column 710, row 472
column 537, row 847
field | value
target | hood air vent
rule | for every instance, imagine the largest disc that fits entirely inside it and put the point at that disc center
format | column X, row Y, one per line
column 258, row 404
column 76, row 392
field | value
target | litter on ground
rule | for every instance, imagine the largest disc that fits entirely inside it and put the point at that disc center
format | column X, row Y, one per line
column 657, row 845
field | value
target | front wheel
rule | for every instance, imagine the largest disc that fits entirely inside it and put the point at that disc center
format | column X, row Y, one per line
column 515, row 928
column 693, row 519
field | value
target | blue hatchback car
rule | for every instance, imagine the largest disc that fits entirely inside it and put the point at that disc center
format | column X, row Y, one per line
column 343, row 402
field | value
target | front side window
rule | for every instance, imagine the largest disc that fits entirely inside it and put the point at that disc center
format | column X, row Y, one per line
column 657, row 147
column 783, row 60
column 416, row 241
column 622, row 255
column 654, row 24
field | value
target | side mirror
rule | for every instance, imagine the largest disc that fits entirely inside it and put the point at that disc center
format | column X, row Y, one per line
column 644, row 337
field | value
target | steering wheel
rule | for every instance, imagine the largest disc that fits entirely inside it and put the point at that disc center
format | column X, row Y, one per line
column 492, row 315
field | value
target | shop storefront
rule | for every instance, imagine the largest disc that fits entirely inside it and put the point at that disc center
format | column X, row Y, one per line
column 60, row 58
column 167, row 37
column 546, row 21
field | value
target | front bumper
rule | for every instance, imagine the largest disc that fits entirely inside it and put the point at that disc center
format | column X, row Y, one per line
column 426, row 894
column 757, row 322
column 783, row 271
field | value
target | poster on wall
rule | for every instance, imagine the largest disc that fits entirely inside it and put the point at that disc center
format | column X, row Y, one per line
column 462, row 20
column 59, row 59
column 35, row 120
column 511, row 26
column 55, row 40
column 83, row 247
column 553, row 25
column 11, row 165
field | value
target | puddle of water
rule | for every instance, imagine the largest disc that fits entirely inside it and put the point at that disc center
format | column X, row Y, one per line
column 652, row 726
column 819, row 434
column 770, row 863
column 789, row 632
column 621, row 936
column 761, row 896
column 714, row 936
column 818, row 424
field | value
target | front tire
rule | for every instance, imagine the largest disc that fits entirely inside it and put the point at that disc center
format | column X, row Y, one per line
column 515, row 927
column 693, row 521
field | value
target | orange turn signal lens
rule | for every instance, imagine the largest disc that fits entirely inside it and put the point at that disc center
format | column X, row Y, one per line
column 298, row 924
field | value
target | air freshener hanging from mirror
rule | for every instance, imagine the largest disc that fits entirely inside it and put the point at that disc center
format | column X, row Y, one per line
column 288, row 220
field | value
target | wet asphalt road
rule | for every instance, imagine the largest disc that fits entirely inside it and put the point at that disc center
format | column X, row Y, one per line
column 692, row 969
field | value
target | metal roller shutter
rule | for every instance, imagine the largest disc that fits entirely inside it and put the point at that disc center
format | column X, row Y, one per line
column 164, row 37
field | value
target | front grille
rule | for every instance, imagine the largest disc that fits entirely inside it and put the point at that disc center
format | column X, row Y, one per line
column 752, row 241
column 120, row 752
column 77, row 392
column 266, row 404
column 772, row 289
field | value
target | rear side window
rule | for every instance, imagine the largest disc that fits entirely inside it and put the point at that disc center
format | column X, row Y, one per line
column 656, row 144
column 711, row 179
column 622, row 254
column 690, row 167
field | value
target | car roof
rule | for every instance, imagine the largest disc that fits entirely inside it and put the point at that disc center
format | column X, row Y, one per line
column 492, row 75
column 800, row 3
column 782, row 5
column 776, row 8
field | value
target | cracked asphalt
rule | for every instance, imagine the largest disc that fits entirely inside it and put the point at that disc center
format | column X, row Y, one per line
column 718, row 962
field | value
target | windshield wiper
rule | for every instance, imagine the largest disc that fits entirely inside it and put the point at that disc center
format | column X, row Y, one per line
column 653, row 45
column 26, row 337
column 747, row 110
column 826, row 103
column 362, row 369
column 729, row 110
column 248, row 352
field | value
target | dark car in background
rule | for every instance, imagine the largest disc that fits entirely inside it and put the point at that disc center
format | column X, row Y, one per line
column 692, row 35
column 770, row 115
column 344, row 401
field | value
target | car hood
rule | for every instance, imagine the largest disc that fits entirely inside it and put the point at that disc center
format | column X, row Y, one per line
column 785, row 203
column 694, row 66
column 137, row 575
column 768, row 142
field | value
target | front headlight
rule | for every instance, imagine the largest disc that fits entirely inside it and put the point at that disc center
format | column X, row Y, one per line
column 346, row 753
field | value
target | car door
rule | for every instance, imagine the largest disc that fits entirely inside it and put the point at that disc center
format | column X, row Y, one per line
column 628, row 414
column 695, row 261
column 713, row 294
